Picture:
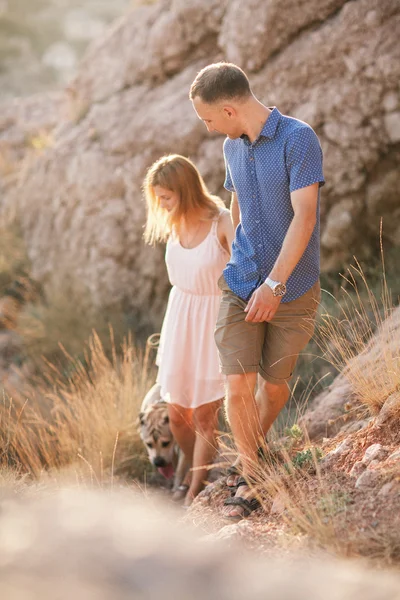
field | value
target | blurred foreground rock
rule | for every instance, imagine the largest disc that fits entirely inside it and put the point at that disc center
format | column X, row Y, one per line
column 76, row 544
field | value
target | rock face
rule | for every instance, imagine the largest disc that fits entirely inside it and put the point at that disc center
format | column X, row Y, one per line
column 333, row 63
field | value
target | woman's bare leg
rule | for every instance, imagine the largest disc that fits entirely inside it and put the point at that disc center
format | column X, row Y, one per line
column 205, row 420
column 181, row 423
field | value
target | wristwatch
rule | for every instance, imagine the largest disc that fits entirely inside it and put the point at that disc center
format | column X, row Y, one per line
column 278, row 288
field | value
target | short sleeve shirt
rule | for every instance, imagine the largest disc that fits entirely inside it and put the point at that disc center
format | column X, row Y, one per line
column 285, row 157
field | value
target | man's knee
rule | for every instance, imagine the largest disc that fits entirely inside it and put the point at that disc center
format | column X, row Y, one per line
column 273, row 391
column 240, row 386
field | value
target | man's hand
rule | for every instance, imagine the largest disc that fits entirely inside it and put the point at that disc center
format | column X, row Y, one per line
column 262, row 305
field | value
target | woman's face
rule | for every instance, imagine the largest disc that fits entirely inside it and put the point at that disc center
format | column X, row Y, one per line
column 168, row 199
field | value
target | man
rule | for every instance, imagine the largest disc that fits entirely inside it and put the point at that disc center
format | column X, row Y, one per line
column 271, row 284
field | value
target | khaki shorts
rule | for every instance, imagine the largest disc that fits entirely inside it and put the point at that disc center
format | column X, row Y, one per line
column 270, row 349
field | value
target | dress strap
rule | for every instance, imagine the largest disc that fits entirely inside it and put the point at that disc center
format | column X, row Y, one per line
column 214, row 230
column 214, row 225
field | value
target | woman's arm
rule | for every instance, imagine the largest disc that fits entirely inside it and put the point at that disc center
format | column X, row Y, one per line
column 235, row 210
column 225, row 230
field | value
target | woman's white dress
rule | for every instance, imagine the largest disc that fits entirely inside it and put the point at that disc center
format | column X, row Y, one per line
column 188, row 363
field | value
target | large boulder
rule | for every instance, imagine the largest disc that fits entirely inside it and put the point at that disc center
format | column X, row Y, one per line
column 335, row 64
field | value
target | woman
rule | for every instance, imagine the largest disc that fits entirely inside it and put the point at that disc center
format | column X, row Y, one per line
column 199, row 233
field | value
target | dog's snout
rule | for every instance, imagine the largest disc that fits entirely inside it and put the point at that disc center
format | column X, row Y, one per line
column 159, row 461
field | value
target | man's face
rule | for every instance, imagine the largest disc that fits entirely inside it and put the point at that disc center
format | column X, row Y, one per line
column 218, row 117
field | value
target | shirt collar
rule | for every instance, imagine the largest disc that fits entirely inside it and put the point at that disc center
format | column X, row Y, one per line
column 271, row 123
column 269, row 127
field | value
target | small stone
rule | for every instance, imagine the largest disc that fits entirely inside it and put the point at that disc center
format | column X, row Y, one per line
column 390, row 101
column 373, row 464
column 372, row 18
column 228, row 532
column 244, row 527
column 329, row 459
column 389, row 409
column 278, row 506
column 374, row 452
column 357, row 469
column 367, row 480
column 395, row 456
column 343, row 446
column 374, row 524
column 387, row 488
column 60, row 56
column 392, row 124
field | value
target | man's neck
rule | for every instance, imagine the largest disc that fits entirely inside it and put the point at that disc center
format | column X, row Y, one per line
column 254, row 118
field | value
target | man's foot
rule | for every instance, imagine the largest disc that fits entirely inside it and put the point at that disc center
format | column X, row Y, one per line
column 243, row 503
column 233, row 475
column 233, row 472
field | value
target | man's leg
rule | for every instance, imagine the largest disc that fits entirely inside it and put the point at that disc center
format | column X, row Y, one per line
column 286, row 336
column 271, row 398
column 244, row 418
column 240, row 346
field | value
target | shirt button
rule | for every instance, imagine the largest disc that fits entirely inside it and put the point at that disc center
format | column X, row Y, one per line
column 251, row 158
column 257, row 222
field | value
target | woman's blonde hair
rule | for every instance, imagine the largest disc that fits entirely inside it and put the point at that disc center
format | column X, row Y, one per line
column 179, row 175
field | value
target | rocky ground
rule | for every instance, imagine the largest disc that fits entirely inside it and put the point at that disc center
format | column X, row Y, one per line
column 347, row 503
column 333, row 481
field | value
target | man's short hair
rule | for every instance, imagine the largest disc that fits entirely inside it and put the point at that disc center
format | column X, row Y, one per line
column 220, row 81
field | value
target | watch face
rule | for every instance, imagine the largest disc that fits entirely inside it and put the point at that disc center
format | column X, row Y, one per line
column 280, row 289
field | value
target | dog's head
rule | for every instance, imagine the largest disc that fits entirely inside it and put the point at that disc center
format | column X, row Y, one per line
column 156, row 435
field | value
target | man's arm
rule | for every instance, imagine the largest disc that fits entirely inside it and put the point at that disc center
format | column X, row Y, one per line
column 304, row 203
column 235, row 210
column 263, row 305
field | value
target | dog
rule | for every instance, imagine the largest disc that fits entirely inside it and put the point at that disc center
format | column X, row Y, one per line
column 155, row 432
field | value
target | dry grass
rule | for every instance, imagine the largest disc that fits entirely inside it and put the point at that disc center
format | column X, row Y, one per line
column 363, row 341
column 85, row 421
column 14, row 261
column 43, row 326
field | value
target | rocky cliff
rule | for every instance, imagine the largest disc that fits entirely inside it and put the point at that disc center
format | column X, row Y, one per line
column 333, row 63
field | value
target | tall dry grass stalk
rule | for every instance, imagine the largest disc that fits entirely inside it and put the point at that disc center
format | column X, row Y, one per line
column 363, row 342
column 85, row 421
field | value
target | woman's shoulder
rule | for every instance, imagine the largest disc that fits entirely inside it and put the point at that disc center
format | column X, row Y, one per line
column 223, row 214
column 224, row 222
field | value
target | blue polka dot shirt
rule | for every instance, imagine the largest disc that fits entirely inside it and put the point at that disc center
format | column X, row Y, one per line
column 285, row 157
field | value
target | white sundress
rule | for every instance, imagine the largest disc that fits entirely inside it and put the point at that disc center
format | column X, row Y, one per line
column 187, row 358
